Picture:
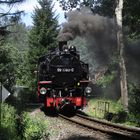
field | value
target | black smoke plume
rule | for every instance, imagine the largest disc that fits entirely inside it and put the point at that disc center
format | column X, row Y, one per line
column 98, row 31
column 132, row 59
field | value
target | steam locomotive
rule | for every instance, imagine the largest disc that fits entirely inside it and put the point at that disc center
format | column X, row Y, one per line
column 63, row 78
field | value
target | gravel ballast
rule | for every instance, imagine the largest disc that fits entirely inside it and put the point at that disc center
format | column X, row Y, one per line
column 60, row 129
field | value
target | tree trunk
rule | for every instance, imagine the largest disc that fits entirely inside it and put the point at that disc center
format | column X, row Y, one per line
column 120, row 44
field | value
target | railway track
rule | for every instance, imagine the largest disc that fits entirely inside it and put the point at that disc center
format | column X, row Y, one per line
column 104, row 127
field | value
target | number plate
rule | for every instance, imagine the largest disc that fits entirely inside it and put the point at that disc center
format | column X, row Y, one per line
column 65, row 69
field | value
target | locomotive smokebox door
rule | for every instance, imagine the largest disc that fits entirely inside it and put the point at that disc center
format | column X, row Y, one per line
column 61, row 44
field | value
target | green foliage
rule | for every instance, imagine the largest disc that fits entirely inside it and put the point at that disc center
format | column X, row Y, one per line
column 133, row 119
column 134, row 98
column 105, row 7
column 93, row 107
column 70, row 4
column 28, row 126
column 131, row 17
column 131, row 14
column 8, row 17
column 116, row 106
column 9, row 57
column 32, row 62
column 19, row 40
column 102, row 7
column 42, row 37
column 116, row 113
column 19, row 37
column 44, row 31
column 34, row 128
column 8, row 122
column 107, row 79
column 22, row 70
column 13, row 57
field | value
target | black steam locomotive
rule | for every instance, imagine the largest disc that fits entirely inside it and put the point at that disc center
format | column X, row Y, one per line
column 63, row 79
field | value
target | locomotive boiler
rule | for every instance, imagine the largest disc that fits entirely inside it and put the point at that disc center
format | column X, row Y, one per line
column 63, row 78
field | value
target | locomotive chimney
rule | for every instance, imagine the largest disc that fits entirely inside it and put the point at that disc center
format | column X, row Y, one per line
column 61, row 44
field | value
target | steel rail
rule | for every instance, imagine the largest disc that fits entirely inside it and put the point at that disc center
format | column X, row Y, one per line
column 134, row 129
column 91, row 124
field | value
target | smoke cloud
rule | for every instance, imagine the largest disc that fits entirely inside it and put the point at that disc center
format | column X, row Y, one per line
column 98, row 31
column 132, row 53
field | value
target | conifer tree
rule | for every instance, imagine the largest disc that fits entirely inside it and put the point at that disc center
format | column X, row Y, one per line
column 44, row 31
column 43, row 35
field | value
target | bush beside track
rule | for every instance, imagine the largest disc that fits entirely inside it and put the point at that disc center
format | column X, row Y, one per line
column 115, row 113
column 24, row 126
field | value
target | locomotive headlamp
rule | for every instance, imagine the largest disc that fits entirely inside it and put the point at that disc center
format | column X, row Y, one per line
column 43, row 91
column 88, row 90
column 78, row 84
